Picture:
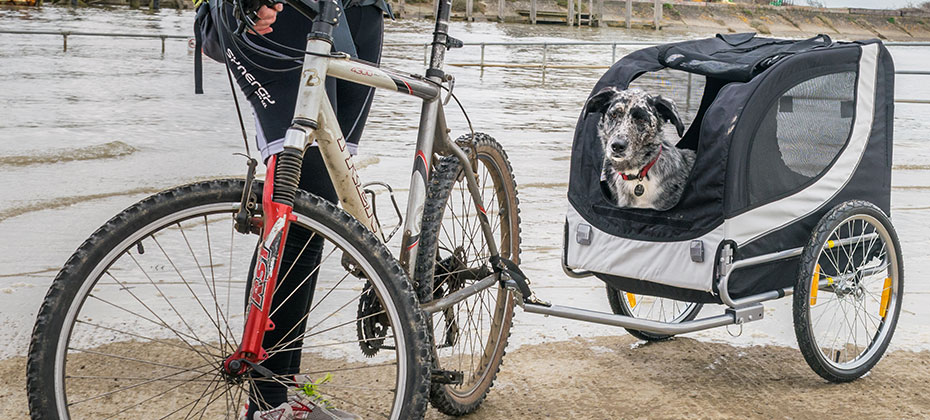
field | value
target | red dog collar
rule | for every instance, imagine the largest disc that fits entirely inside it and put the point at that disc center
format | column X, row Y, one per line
column 644, row 171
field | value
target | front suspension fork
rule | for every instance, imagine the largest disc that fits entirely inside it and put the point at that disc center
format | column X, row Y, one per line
column 277, row 210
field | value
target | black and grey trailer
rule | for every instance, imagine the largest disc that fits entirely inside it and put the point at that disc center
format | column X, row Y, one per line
column 789, row 194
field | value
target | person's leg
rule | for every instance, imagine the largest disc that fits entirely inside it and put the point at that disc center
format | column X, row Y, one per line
column 272, row 91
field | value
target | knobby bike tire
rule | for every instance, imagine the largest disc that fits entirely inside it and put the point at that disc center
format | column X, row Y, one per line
column 440, row 257
column 77, row 287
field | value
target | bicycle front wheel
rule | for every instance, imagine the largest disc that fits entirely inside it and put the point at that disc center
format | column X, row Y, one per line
column 139, row 321
column 470, row 337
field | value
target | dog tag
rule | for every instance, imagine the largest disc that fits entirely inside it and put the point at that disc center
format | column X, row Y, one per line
column 639, row 190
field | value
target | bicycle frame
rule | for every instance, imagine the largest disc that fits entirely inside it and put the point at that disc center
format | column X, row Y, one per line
column 315, row 120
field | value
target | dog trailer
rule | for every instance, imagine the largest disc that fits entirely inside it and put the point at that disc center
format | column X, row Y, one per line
column 786, row 130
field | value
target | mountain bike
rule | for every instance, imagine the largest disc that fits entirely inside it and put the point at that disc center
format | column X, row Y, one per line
column 161, row 313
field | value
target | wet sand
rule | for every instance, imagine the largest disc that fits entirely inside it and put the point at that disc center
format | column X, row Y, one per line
column 619, row 377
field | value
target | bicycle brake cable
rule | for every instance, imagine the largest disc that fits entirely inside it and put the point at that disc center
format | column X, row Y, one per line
column 457, row 101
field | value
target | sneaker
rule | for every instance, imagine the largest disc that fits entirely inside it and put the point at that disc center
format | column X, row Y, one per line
column 281, row 412
column 304, row 403
column 304, row 409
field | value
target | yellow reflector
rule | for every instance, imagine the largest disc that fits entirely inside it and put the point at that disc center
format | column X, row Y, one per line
column 886, row 294
column 815, row 285
column 632, row 299
column 830, row 244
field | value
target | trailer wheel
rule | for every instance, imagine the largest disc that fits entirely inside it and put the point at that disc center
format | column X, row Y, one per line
column 848, row 295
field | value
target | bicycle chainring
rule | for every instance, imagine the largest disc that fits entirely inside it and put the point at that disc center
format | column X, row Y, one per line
column 373, row 324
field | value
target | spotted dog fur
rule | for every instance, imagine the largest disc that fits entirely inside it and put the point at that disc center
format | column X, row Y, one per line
column 630, row 129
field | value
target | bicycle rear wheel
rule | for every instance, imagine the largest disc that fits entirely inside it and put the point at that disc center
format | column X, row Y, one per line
column 141, row 317
column 469, row 337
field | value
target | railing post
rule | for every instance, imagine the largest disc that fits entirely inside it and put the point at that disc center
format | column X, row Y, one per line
column 426, row 55
column 657, row 18
column 500, row 10
column 571, row 12
column 688, row 99
column 600, row 12
column 545, row 61
column 482, row 58
column 64, row 37
column 629, row 14
column 469, row 5
column 162, row 40
column 403, row 9
column 613, row 56
column 533, row 12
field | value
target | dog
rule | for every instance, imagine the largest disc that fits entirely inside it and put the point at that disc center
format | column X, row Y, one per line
column 641, row 168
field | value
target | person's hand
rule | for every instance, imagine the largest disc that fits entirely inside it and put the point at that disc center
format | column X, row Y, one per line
column 266, row 16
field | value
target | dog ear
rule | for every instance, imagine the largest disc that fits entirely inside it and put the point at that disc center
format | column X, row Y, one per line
column 666, row 110
column 600, row 101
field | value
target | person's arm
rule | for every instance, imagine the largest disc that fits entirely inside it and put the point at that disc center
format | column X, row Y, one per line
column 266, row 17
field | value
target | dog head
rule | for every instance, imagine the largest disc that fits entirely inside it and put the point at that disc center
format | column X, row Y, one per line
column 631, row 124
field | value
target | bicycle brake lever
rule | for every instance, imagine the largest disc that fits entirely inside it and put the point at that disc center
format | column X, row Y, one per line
column 246, row 13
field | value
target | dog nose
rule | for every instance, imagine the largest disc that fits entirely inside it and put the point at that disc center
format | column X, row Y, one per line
column 618, row 147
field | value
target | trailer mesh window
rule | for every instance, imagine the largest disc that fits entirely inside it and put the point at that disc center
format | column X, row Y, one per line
column 801, row 134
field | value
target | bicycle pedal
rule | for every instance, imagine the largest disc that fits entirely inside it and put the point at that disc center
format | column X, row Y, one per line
column 446, row 377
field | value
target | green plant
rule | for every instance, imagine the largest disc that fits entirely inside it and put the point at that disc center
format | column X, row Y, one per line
column 891, row 20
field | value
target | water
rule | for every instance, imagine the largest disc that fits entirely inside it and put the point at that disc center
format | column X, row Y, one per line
column 86, row 133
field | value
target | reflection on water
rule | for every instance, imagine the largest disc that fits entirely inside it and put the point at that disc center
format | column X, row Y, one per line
column 87, row 132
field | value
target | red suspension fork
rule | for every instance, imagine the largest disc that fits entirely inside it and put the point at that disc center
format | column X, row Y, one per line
column 276, row 221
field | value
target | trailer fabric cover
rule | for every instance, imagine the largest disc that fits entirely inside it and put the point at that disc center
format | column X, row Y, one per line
column 762, row 177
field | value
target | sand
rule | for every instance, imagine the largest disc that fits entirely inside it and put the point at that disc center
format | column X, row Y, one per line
column 619, row 377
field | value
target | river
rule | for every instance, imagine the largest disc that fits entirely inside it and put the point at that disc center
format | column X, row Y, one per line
column 87, row 132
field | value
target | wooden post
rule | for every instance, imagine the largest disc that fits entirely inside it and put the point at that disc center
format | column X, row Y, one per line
column 469, row 5
column 162, row 40
column 629, row 14
column 403, row 9
column 578, row 15
column 64, row 47
column 590, row 12
column 600, row 12
column 533, row 12
column 500, row 10
column 571, row 13
column 657, row 19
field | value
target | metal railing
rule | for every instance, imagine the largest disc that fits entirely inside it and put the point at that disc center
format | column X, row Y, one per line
column 544, row 64
column 66, row 33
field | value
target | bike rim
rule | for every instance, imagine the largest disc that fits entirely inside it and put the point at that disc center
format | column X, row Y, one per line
column 655, row 308
column 208, row 351
column 855, row 300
